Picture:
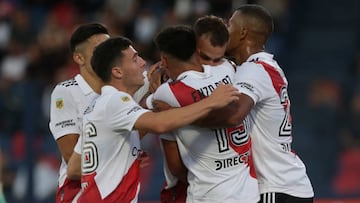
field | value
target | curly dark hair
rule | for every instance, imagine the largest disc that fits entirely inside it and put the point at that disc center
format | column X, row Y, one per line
column 178, row 41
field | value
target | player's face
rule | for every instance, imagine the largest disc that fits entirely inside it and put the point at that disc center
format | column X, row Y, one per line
column 209, row 54
column 133, row 67
column 234, row 29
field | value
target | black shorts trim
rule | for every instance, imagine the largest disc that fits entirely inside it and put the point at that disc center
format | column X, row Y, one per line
column 275, row 197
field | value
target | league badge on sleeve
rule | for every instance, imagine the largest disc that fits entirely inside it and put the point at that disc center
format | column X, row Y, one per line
column 59, row 103
column 125, row 99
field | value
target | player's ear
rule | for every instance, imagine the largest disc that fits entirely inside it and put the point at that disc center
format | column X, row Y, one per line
column 243, row 32
column 198, row 57
column 164, row 62
column 117, row 72
column 78, row 58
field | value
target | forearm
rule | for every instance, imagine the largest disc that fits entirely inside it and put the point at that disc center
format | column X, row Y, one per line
column 173, row 159
column 224, row 117
column 66, row 145
column 177, row 117
column 182, row 175
column 231, row 115
column 193, row 112
column 74, row 167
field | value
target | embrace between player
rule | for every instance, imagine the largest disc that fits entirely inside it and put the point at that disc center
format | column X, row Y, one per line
column 197, row 155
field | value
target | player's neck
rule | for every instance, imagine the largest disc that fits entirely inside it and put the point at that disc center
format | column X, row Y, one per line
column 94, row 82
column 253, row 47
column 243, row 53
column 195, row 67
column 194, row 64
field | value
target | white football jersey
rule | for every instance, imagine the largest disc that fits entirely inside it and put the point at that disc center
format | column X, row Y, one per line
column 69, row 100
column 219, row 161
column 138, row 95
column 110, row 147
column 278, row 168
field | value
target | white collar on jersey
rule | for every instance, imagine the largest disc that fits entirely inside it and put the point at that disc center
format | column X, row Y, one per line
column 260, row 56
column 84, row 86
column 195, row 74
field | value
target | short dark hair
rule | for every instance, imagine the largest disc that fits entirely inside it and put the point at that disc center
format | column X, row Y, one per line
column 178, row 41
column 215, row 27
column 107, row 54
column 261, row 14
column 84, row 32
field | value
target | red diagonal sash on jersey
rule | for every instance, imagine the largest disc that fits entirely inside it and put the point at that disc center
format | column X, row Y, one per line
column 275, row 76
column 125, row 192
column 281, row 89
column 277, row 81
column 185, row 94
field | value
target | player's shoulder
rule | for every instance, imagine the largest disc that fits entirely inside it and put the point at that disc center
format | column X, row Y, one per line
column 68, row 83
column 250, row 67
column 112, row 102
column 164, row 87
column 251, row 71
column 67, row 89
column 260, row 60
column 247, row 64
column 179, row 85
column 165, row 91
column 118, row 98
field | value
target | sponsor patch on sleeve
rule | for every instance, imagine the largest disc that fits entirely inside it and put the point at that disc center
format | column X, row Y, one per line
column 245, row 85
column 133, row 110
column 66, row 123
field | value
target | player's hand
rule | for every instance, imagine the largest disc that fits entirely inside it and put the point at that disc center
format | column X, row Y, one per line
column 144, row 159
column 224, row 95
column 153, row 68
column 157, row 75
column 160, row 106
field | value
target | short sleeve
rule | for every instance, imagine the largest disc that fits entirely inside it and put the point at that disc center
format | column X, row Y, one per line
column 252, row 80
column 123, row 111
column 63, row 113
column 164, row 93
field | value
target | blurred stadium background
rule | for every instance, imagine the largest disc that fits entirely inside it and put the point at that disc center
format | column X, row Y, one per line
column 317, row 43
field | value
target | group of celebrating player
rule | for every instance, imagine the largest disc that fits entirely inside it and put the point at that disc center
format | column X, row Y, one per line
column 225, row 129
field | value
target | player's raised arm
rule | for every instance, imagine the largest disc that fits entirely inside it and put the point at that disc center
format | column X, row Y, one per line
column 175, row 118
